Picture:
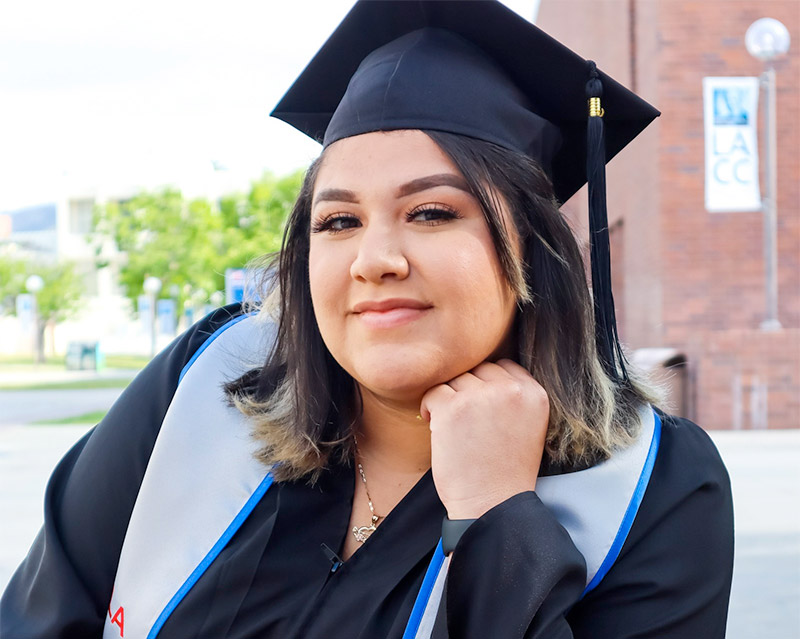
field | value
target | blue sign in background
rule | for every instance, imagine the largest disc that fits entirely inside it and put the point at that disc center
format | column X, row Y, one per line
column 234, row 285
column 165, row 310
column 241, row 283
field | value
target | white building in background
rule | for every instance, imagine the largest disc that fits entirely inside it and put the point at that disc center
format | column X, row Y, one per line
column 56, row 227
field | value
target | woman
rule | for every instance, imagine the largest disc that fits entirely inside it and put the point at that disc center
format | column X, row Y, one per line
column 436, row 371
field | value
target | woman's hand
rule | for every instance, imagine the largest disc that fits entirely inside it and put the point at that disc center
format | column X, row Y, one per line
column 488, row 430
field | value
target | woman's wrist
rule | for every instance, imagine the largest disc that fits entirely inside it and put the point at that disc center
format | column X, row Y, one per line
column 476, row 507
column 454, row 528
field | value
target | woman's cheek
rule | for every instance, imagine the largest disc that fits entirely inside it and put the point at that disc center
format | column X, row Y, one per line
column 320, row 282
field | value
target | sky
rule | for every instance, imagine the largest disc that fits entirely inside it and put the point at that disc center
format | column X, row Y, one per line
column 101, row 97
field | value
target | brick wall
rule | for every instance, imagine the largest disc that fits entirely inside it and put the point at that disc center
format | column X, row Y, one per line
column 693, row 280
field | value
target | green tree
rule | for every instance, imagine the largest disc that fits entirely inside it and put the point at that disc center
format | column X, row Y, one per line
column 12, row 283
column 60, row 296
column 189, row 244
column 163, row 235
column 252, row 225
column 58, row 299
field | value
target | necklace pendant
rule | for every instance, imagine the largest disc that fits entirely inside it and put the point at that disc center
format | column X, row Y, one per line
column 362, row 533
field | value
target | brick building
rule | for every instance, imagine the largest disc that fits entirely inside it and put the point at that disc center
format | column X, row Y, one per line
column 685, row 278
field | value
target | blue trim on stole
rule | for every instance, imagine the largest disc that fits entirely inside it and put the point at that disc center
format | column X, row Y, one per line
column 207, row 343
column 230, row 531
column 424, row 592
column 630, row 512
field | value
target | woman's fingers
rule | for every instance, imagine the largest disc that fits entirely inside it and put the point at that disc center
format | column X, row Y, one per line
column 498, row 371
column 464, row 382
column 488, row 428
column 515, row 370
column 490, row 372
column 435, row 396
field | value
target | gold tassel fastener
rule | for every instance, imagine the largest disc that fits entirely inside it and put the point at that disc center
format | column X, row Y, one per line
column 595, row 110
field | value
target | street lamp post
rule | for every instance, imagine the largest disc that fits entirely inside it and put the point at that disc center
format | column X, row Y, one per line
column 152, row 285
column 768, row 39
column 33, row 285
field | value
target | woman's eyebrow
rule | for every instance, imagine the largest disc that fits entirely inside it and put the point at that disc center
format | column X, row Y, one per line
column 336, row 195
column 432, row 181
column 409, row 188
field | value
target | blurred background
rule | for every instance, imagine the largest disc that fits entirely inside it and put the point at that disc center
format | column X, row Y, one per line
column 140, row 172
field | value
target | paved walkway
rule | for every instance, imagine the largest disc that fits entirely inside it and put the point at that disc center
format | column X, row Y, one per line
column 27, row 406
column 27, row 456
column 765, row 474
column 764, row 468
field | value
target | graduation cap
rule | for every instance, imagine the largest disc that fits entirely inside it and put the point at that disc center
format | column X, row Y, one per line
column 476, row 68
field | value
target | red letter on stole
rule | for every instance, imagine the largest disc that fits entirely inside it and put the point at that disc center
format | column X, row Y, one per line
column 119, row 619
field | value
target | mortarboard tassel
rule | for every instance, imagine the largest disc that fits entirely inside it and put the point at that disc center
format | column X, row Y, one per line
column 606, row 336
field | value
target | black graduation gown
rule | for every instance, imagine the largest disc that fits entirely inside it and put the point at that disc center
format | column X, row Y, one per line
column 515, row 572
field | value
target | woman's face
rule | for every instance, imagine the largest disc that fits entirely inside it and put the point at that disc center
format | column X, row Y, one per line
column 406, row 284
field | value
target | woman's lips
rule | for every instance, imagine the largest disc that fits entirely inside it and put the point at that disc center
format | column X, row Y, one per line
column 392, row 317
column 390, row 313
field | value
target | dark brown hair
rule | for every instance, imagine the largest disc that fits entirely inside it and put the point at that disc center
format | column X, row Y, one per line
column 303, row 404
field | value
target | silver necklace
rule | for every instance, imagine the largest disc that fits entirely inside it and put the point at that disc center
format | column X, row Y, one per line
column 362, row 533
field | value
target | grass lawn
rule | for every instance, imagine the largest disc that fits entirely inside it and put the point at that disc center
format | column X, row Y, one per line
column 27, row 364
column 86, row 418
column 57, row 363
column 127, row 361
column 76, row 385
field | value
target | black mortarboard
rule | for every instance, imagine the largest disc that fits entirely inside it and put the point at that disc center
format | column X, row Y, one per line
column 476, row 68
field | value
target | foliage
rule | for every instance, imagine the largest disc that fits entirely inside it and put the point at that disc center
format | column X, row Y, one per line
column 61, row 293
column 59, row 296
column 55, row 302
column 188, row 244
column 12, row 282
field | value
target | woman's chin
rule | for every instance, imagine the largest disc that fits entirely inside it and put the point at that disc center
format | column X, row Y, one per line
column 396, row 387
column 401, row 380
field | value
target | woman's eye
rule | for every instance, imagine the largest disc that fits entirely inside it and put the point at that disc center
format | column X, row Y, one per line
column 433, row 214
column 335, row 224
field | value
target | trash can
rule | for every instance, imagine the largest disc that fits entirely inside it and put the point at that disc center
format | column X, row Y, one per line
column 668, row 368
column 83, row 356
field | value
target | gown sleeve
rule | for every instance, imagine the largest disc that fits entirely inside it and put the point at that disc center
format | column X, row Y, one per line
column 513, row 574
column 62, row 588
column 516, row 574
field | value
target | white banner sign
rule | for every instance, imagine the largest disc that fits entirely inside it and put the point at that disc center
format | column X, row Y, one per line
column 729, row 106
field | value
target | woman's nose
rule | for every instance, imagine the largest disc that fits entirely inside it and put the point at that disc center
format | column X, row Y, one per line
column 380, row 256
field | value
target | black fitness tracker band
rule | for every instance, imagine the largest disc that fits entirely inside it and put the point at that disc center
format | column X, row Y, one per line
column 452, row 529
